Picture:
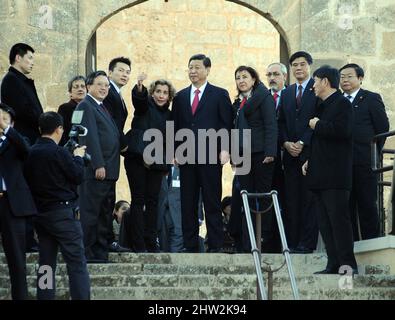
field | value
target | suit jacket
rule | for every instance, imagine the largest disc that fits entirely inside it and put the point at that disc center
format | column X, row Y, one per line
column 214, row 111
column 330, row 161
column 117, row 109
column 19, row 92
column 293, row 125
column 259, row 115
column 102, row 140
column 13, row 151
column 66, row 111
column 370, row 119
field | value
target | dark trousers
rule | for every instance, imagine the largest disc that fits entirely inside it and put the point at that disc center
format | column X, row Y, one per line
column 96, row 205
column 363, row 203
column 258, row 180
column 13, row 232
column 335, row 226
column 60, row 229
column 144, row 188
column 208, row 179
column 300, row 221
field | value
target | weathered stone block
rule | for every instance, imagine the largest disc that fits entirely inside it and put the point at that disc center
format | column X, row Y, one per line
column 388, row 49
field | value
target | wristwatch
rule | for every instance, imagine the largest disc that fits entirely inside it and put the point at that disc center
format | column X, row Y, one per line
column 301, row 142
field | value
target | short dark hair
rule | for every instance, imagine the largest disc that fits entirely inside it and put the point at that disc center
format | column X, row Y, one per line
column 301, row 54
column 49, row 122
column 114, row 62
column 119, row 204
column 227, row 201
column 254, row 74
column 206, row 60
column 330, row 73
column 19, row 49
column 92, row 76
column 76, row 78
column 9, row 110
column 358, row 70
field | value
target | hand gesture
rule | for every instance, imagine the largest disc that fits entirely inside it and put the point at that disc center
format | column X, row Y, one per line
column 305, row 167
column 79, row 151
column 313, row 122
column 140, row 78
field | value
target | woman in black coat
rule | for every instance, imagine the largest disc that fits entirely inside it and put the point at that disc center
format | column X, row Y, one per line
column 254, row 109
column 151, row 112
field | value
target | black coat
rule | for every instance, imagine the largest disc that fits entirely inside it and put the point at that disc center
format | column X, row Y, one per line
column 370, row 119
column 117, row 108
column 330, row 160
column 214, row 111
column 66, row 111
column 19, row 92
column 147, row 115
column 13, row 151
column 294, row 126
column 259, row 115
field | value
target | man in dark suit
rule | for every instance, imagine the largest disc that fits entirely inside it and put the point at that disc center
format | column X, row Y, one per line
column 77, row 91
column 97, row 190
column 202, row 106
column 329, row 172
column 19, row 92
column 370, row 119
column 53, row 175
column 296, row 109
column 16, row 202
column 119, row 74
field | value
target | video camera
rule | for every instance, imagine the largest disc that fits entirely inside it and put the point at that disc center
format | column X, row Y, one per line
column 77, row 131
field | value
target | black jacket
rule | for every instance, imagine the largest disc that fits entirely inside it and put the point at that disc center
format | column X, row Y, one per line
column 259, row 115
column 13, row 152
column 66, row 111
column 293, row 125
column 19, row 92
column 330, row 160
column 370, row 119
column 53, row 175
column 116, row 107
column 147, row 115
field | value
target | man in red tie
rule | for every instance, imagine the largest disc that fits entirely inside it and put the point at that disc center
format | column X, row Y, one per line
column 202, row 106
column 276, row 74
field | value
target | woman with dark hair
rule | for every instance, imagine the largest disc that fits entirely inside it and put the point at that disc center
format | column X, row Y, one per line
column 254, row 109
column 151, row 112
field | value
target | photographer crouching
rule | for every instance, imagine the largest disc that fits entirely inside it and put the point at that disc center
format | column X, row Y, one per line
column 53, row 175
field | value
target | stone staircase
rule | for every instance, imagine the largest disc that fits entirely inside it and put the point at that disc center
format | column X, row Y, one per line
column 209, row 276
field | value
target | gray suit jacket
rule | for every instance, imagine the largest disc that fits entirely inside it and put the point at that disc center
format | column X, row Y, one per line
column 102, row 140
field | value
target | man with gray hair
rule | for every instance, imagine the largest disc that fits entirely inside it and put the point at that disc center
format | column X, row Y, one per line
column 276, row 78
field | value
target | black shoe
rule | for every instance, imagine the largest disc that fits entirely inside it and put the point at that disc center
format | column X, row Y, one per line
column 115, row 247
column 301, row 250
column 327, row 271
column 215, row 250
column 32, row 249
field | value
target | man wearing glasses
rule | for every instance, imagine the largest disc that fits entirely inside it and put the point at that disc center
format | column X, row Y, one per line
column 276, row 78
column 370, row 119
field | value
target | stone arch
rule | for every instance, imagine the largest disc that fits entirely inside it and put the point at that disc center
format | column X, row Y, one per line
column 275, row 12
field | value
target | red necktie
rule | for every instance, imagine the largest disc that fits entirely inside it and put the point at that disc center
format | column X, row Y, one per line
column 275, row 97
column 243, row 102
column 195, row 101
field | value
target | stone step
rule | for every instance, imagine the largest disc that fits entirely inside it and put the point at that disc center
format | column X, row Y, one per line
column 315, row 282
column 208, row 293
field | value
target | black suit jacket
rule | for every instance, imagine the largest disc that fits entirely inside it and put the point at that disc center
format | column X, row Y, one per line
column 19, row 92
column 102, row 140
column 117, row 109
column 330, row 161
column 214, row 111
column 293, row 125
column 13, row 152
column 370, row 119
column 66, row 111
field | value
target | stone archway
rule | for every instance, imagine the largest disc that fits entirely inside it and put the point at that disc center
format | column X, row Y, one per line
column 278, row 13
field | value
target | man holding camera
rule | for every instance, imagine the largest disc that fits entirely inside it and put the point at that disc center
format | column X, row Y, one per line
column 53, row 175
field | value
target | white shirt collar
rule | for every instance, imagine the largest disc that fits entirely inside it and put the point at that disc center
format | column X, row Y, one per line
column 304, row 84
column 201, row 89
column 353, row 95
column 97, row 101
column 116, row 87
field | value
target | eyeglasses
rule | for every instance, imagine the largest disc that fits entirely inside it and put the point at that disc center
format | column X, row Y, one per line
column 274, row 74
column 346, row 77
